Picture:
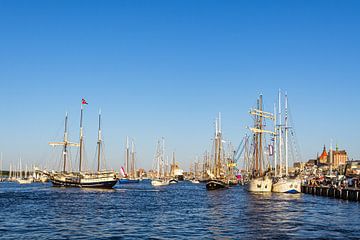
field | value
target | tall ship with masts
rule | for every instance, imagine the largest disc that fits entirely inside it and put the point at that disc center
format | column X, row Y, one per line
column 83, row 179
column 160, row 178
column 217, row 173
column 260, row 179
column 129, row 172
column 283, row 183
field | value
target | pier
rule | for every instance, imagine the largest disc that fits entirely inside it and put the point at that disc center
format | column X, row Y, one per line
column 351, row 194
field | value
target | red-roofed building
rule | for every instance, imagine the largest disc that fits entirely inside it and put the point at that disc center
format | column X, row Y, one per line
column 323, row 159
column 339, row 157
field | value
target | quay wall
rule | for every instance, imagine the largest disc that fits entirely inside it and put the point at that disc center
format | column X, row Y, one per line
column 351, row 194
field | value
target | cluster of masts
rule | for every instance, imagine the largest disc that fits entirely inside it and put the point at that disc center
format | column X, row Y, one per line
column 279, row 145
column 130, row 168
column 265, row 143
column 219, row 164
column 66, row 143
column 161, row 165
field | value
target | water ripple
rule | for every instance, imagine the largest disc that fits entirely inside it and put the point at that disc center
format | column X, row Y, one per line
column 179, row 211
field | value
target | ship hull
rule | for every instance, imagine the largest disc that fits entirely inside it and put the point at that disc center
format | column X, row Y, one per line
column 173, row 181
column 260, row 185
column 84, row 180
column 128, row 181
column 214, row 185
column 194, row 181
column 24, row 181
column 97, row 184
column 157, row 183
column 179, row 177
column 287, row 186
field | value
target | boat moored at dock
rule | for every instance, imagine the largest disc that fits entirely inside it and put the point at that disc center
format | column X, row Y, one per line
column 287, row 185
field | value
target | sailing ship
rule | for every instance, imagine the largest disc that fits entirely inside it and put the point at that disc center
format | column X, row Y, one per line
column 159, row 165
column 260, row 180
column 176, row 173
column 217, row 175
column 1, row 172
column 194, row 178
column 83, row 179
column 283, row 183
column 23, row 179
column 129, row 173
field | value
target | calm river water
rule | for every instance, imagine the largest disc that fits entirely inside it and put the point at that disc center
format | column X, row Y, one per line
column 179, row 211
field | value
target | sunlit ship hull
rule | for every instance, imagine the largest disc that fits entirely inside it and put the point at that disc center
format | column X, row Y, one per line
column 194, row 181
column 157, row 183
column 260, row 185
column 87, row 180
column 24, row 181
column 287, row 186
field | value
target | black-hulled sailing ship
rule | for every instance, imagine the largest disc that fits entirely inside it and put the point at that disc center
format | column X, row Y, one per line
column 83, row 179
column 217, row 176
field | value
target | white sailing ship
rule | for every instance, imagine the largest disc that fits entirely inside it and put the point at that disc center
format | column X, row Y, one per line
column 159, row 168
column 283, row 183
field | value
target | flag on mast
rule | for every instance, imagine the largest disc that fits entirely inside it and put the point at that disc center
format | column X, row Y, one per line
column 83, row 101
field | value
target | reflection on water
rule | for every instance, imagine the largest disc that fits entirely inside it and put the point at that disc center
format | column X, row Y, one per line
column 179, row 211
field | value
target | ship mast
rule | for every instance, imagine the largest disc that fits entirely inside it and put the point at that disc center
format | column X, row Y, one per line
column 260, row 137
column 127, row 156
column 286, row 137
column 1, row 160
column 331, row 157
column 275, row 142
column 133, row 159
column 163, row 158
column 99, row 143
column 81, row 137
column 280, row 135
column 158, row 159
column 65, row 144
column 218, row 148
column 258, row 132
column 256, row 135
column 172, row 169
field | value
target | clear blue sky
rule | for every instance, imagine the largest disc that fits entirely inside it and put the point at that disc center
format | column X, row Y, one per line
column 165, row 68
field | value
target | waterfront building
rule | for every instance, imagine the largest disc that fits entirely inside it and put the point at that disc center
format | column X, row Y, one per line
column 323, row 159
column 339, row 157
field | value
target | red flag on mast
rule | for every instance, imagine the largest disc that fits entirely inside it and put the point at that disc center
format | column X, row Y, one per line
column 83, row 101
